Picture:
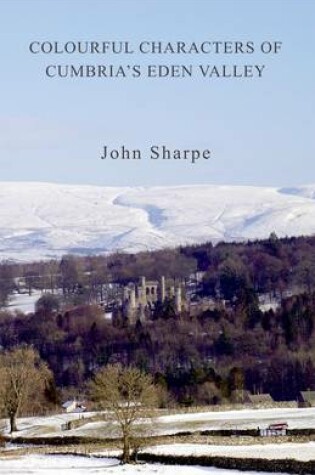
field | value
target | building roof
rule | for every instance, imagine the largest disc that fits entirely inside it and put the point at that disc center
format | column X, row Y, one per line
column 240, row 396
column 260, row 398
column 278, row 426
column 308, row 396
column 68, row 403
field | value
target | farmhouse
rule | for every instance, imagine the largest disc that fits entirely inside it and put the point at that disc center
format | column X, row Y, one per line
column 261, row 400
column 73, row 406
column 241, row 396
column 306, row 399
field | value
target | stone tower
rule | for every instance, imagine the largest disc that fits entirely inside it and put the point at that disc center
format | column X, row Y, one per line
column 178, row 300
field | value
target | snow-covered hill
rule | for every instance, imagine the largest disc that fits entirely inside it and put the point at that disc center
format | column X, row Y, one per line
column 43, row 220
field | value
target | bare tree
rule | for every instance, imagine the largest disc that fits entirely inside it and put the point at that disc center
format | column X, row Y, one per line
column 23, row 379
column 129, row 395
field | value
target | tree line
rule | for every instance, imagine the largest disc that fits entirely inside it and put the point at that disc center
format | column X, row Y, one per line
column 270, row 266
column 195, row 359
column 198, row 359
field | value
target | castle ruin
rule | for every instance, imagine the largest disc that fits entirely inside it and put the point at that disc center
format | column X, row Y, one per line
column 140, row 300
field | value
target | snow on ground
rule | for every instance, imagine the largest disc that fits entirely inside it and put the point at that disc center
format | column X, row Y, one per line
column 45, row 425
column 45, row 220
column 24, row 302
column 38, row 464
column 240, row 419
column 67, row 465
column 298, row 451
column 41, row 464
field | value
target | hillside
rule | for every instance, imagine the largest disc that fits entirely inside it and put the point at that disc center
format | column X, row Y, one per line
column 44, row 220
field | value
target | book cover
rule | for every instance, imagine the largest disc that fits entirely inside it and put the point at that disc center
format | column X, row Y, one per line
column 134, row 126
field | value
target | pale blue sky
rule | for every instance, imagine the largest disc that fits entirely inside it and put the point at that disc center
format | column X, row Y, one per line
column 261, row 131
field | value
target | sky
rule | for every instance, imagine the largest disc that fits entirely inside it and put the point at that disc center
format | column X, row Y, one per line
column 260, row 131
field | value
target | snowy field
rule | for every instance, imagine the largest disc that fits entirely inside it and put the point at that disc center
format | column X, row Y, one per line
column 38, row 464
column 24, row 302
column 239, row 419
column 247, row 418
column 79, row 465
column 69, row 465
column 298, row 451
column 45, row 220
column 296, row 418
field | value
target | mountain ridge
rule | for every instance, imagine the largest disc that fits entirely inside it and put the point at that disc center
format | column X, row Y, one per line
column 40, row 220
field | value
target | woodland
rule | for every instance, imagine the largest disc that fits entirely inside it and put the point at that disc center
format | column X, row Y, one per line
column 193, row 359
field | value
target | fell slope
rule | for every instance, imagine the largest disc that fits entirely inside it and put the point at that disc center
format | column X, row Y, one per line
column 44, row 220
